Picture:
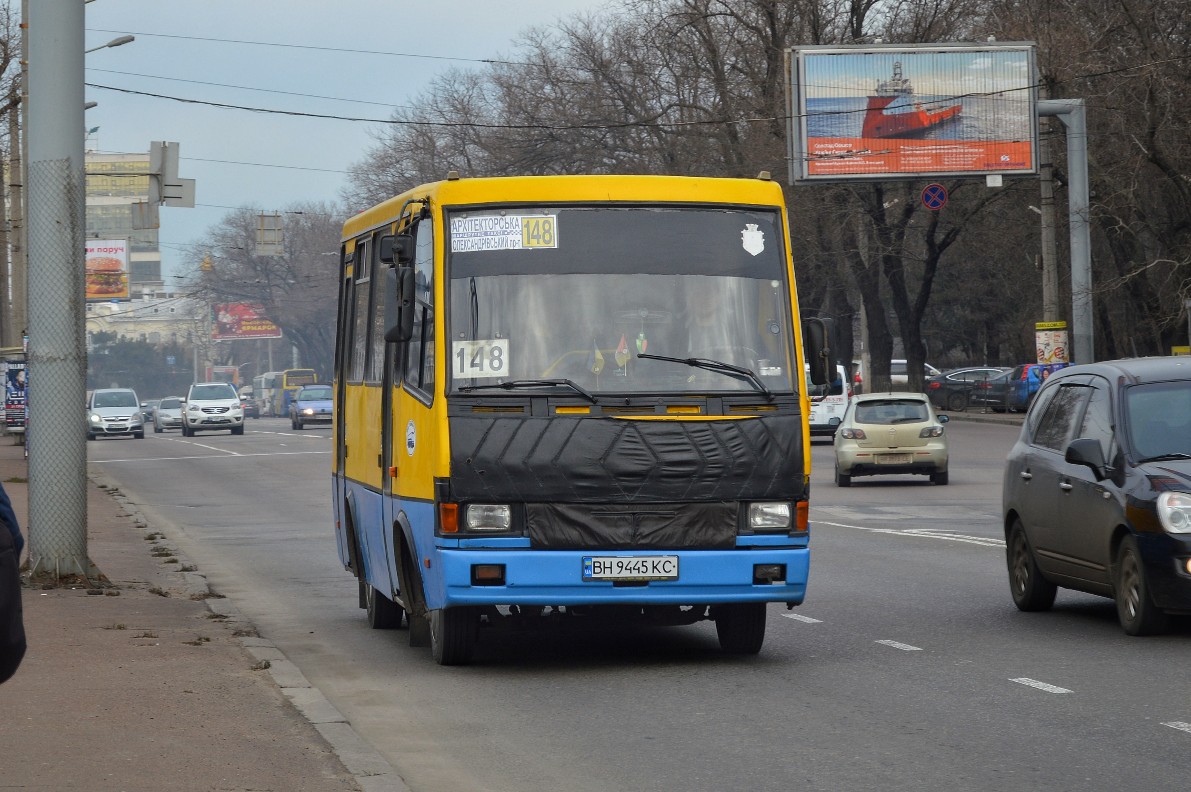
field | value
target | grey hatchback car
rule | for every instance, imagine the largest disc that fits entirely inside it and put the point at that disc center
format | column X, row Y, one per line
column 1097, row 491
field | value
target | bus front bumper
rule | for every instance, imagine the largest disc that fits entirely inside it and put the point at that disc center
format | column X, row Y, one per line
column 556, row 577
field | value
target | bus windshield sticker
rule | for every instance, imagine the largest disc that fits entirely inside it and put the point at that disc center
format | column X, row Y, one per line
column 474, row 359
column 752, row 239
column 495, row 232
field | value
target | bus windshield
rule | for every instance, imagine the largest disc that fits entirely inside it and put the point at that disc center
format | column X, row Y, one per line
column 575, row 293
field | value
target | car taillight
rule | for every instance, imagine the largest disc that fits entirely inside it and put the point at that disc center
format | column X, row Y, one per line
column 933, row 386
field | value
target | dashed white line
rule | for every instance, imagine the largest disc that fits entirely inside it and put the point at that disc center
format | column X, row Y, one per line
column 899, row 645
column 1180, row 725
column 206, row 456
column 1034, row 683
column 922, row 533
column 801, row 618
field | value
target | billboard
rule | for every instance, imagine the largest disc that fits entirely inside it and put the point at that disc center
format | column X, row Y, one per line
column 893, row 112
column 106, row 269
column 237, row 321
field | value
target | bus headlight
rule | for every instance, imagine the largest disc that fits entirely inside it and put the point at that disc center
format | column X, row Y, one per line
column 488, row 517
column 769, row 516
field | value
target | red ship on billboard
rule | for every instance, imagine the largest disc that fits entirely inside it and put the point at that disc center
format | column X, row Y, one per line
column 894, row 112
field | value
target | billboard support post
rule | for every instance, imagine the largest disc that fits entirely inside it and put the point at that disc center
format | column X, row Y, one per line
column 1074, row 116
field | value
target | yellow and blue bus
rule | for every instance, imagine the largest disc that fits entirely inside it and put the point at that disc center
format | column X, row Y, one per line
column 286, row 384
column 563, row 397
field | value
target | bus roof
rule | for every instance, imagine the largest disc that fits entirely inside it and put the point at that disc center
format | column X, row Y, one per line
column 567, row 189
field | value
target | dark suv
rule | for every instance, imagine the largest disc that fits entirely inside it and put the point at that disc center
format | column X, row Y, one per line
column 1097, row 490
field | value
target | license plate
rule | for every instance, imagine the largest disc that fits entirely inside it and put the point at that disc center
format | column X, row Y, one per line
column 630, row 567
column 893, row 459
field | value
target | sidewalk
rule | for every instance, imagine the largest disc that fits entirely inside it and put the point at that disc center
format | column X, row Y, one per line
column 152, row 685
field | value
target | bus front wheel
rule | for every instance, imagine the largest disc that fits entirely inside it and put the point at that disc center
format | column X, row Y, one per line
column 740, row 627
column 453, row 633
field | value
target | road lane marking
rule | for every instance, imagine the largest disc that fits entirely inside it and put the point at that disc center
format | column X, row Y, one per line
column 923, row 533
column 899, row 645
column 1180, row 725
column 801, row 618
column 1034, row 683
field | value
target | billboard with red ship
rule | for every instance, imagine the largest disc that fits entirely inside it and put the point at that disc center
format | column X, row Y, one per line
column 892, row 112
column 237, row 321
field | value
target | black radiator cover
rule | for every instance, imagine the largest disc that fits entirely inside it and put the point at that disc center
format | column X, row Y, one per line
column 603, row 460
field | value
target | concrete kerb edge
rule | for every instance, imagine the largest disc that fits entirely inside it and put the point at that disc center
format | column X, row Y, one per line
column 371, row 771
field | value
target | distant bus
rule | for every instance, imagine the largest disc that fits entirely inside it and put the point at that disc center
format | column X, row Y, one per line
column 262, row 391
column 286, row 384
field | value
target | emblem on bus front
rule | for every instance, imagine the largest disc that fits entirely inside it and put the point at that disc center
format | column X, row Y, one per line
column 753, row 239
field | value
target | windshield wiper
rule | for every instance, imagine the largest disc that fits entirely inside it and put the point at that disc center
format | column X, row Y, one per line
column 716, row 365
column 531, row 383
column 1167, row 457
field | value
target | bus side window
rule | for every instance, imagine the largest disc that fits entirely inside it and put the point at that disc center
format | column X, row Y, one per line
column 419, row 368
column 358, row 344
column 376, row 355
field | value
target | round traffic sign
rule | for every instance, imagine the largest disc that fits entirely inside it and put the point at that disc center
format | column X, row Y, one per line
column 934, row 196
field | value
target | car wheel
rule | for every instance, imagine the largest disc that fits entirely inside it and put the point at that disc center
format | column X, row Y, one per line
column 156, row 429
column 186, row 431
column 1030, row 590
column 238, row 430
column 383, row 613
column 139, row 435
column 939, row 478
column 1135, row 609
column 453, row 634
column 740, row 627
column 957, row 401
column 842, row 479
column 90, row 436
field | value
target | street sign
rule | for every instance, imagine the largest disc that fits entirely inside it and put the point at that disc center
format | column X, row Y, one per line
column 934, row 196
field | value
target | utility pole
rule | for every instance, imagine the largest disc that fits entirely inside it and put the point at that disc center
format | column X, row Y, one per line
column 1050, row 264
column 57, row 357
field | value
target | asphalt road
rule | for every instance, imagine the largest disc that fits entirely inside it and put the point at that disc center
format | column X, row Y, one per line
column 907, row 668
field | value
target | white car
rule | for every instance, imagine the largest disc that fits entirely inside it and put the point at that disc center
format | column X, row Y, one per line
column 168, row 414
column 828, row 403
column 212, row 405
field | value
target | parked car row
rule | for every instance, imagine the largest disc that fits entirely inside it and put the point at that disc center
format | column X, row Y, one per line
column 993, row 388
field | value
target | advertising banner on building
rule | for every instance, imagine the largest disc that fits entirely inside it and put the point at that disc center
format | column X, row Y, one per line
column 106, row 269
column 892, row 112
column 237, row 321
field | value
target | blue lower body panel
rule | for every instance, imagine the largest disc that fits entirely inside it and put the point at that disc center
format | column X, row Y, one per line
column 555, row 577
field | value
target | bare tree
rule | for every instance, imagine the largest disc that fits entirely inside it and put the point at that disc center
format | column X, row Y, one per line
column 297, row 290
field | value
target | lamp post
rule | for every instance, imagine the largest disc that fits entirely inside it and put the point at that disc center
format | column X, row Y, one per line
column 116, row 42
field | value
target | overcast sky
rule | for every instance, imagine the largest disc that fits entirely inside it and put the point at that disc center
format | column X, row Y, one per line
column 358, row 50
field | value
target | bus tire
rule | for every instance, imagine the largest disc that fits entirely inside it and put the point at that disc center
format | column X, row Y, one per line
column 741, row 627
column 453, row 633
column 383, row 613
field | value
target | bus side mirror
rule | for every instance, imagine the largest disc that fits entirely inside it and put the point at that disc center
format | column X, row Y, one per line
column 818, row 340
column 396, row 249
column 399, row 304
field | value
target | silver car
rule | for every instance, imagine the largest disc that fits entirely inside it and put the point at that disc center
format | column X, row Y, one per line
column 114, row 412
column 891, row 434
column 168, row 414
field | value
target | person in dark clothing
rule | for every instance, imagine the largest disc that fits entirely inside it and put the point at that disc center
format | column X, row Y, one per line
column 12, row 624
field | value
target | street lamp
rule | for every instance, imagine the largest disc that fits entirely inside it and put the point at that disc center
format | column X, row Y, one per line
column 116, row 42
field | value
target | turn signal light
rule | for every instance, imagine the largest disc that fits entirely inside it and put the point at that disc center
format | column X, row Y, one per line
column 448, row 517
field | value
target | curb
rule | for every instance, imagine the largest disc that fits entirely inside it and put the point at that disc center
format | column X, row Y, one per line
column 371, row 771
